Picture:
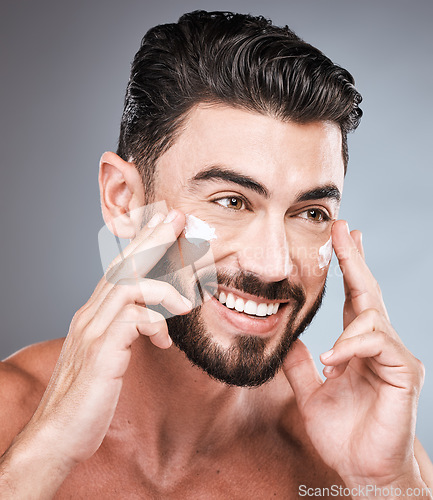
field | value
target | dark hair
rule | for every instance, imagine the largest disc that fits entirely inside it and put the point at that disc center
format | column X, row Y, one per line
column 235, row 59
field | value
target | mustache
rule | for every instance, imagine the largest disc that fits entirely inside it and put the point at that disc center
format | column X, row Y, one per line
column 248, row 282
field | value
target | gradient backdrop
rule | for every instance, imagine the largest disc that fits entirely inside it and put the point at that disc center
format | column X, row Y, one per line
column 64, row 69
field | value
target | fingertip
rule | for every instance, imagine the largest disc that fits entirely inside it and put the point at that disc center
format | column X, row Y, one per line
column 187, row 302
column 175, row 216
column 163, row 342
column 343, row 242
column 356, row 234
column 328, row 371
column 341, row 226
column 325, row 357
column 334, row 371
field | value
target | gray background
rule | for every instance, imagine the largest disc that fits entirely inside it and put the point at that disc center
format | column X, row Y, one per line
column 64, row 69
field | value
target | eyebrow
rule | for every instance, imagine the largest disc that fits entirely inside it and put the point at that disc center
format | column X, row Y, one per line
column 218, row 173
column 330, row 191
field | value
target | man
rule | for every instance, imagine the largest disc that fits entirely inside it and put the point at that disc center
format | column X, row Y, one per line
column 241, row 125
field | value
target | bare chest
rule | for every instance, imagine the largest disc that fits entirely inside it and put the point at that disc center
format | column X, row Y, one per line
column 239, row 473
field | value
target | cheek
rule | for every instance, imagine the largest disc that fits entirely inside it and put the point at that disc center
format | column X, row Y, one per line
column 226, row 235
column 309, row 272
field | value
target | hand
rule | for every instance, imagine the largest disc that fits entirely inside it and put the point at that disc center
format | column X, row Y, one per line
column 361, row 419
column 78, row 406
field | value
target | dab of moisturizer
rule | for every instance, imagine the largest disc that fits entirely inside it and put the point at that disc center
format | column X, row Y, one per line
column 325, row 254
column 196, row 228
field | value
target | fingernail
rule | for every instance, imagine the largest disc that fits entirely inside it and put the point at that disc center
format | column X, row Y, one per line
column 347, row 227
column 169, row 342
column 170, row 216
column 155, row 220
column 327, row 354
column 187, row 302
column 328, row 370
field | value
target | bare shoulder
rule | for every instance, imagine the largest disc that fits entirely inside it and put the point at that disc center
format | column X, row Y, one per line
column 24, row 377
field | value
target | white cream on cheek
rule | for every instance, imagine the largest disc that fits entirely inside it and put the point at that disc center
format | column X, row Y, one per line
column 325, row 254
column 199, row 229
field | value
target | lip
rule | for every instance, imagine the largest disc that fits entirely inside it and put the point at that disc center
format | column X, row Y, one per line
column 247, row 325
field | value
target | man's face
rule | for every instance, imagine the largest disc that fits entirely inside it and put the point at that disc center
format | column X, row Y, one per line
column 270, row 190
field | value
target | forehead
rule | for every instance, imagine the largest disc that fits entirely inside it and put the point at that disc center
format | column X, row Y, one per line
column 278, row 154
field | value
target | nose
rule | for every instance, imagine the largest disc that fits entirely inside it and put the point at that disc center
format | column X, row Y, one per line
column 265, row 251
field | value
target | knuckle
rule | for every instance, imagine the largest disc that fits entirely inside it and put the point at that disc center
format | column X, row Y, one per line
column 78, row 321
column 93, row 350
column 131, row 311
column 376, row 319
column 371, row 314
column 123, row 284
column 381, row 337
column 372, row 317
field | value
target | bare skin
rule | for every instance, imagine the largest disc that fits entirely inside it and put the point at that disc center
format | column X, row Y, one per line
column 212, row 458
column 126, row 415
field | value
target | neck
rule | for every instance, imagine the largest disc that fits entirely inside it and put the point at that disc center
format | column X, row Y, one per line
column 171, row 403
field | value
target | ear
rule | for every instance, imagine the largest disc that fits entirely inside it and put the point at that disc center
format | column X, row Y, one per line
column 122, row 191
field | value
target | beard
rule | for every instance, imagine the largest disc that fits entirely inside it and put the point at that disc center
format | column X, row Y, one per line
column 248, row 362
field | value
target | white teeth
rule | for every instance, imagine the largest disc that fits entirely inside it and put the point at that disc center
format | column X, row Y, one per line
column 239, row 305
column 262, row 310
column 230, row 301
column 249, row 306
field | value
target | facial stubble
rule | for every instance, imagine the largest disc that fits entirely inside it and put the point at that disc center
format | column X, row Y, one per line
column 247, row 362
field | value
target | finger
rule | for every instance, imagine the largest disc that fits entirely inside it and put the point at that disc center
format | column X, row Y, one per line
column 370, row 320
column 142, row 257
column 112, row 348
column 367, row 321
column 301, row 372
column 145, row 322
column 148, row 323
column 146, row 231
column 361, row 367
column 361, row 288
column 392, row 362
column 357, row 238
column 144, row 292
column 151, row 247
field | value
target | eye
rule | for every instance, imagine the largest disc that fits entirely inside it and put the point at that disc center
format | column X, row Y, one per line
column 233, row 202
column 315, row 215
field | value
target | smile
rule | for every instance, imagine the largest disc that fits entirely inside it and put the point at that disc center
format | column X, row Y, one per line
column 250, row 307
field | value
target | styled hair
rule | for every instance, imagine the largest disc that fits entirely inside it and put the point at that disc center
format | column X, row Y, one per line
column 233, row 59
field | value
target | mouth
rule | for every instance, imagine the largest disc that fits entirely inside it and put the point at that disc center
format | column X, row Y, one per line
column 249, row 314
column 258, row 308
